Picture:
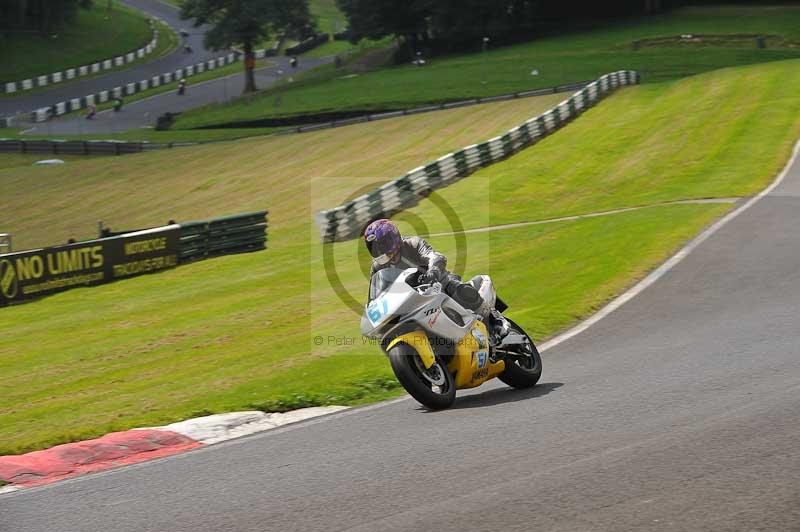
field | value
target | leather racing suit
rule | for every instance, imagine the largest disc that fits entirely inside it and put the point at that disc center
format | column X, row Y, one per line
column 415, row 252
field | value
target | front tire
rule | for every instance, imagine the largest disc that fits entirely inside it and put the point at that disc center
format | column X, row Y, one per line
column 522, row 372
column 434, row 387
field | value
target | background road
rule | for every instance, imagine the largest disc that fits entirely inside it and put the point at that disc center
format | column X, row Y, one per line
column 61, row 92
column 679, row 411
column 143, row 113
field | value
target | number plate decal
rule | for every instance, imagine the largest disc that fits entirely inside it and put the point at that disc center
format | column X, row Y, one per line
column 377, row 310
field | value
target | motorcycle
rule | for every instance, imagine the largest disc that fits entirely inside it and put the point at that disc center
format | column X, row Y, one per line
column 436, row 346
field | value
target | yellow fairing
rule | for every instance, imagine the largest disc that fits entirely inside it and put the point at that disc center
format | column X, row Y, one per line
column 418, row 340
column 471, row 365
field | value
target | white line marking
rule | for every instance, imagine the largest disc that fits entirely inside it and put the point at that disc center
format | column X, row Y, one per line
column 673, row 261
column 9, row 489
column 582, row 216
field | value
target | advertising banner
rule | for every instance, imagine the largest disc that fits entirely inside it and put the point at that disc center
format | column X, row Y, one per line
column 30, row 274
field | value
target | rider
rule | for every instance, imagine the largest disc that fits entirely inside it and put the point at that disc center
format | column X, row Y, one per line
column 388, row 248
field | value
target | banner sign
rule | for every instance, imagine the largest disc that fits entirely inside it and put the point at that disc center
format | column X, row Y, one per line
column 29, row 274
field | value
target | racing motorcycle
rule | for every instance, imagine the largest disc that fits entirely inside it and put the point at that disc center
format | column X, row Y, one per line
column 435, row 346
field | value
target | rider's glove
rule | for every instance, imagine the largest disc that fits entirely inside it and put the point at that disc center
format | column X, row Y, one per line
column 434, row 275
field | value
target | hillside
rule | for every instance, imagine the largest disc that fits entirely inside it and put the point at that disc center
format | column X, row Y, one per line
column 722, row 37
column 241, row 332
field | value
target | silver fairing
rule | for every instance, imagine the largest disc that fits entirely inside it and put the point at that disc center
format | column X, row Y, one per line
column 427, row 306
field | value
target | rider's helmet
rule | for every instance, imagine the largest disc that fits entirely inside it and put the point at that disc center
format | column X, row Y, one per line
column 383, row 241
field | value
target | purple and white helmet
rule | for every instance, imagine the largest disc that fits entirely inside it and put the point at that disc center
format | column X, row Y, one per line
column 383, row 241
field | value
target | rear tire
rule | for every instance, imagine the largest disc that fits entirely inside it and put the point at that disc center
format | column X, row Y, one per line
column 522, row 373
column 419, row 382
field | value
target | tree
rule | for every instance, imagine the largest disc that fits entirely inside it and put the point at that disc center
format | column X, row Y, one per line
column 44, row 16
column 652, row 6
column 464, row 23
column 374, row 19
column 245, row 23
column 447, row 23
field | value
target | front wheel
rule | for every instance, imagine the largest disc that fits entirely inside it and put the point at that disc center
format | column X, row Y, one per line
column 433, row 387
column 523, row 368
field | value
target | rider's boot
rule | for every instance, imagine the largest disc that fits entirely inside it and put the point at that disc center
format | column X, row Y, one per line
column 498, row 329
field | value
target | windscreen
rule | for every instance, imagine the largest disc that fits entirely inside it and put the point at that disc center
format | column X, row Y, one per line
column 382, row 280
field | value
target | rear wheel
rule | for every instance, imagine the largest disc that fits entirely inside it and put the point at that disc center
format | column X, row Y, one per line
column 433, row 387
column 523, row 367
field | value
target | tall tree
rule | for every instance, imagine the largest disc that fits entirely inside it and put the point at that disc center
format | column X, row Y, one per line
column 450, row 23
column 652, row 6
column 44, row 16
column 374, row 19
column 464, row 23
column 245, row 23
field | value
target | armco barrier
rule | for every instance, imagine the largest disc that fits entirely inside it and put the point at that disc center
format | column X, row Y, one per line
column 220, row 236
column 82, row 147
column 348, row 220
column 26, row 275
column 11, row 87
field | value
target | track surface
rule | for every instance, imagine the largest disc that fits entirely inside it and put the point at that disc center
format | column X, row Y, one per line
column 170, row 62
column 679, row 411
column 143, row 113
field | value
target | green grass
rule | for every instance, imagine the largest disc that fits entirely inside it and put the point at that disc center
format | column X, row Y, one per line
column 329, row 18
column 96, row 35
column 562, row 59
column 237, row 332
column 167, row 42
column 706, row 136
column 248, row 345
column 331, row 48
column 229, row 177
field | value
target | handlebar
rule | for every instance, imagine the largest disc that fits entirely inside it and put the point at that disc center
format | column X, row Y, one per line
column 428, row 288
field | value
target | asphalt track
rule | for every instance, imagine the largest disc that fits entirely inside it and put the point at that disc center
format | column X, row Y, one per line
column 678, row 411
column 143, row 113
column 26, row 102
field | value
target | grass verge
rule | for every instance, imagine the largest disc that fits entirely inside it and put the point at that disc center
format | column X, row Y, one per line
column 557, row 60
column 250, row 173
column 97, row 34
column 167, row 42
column 240, row 332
